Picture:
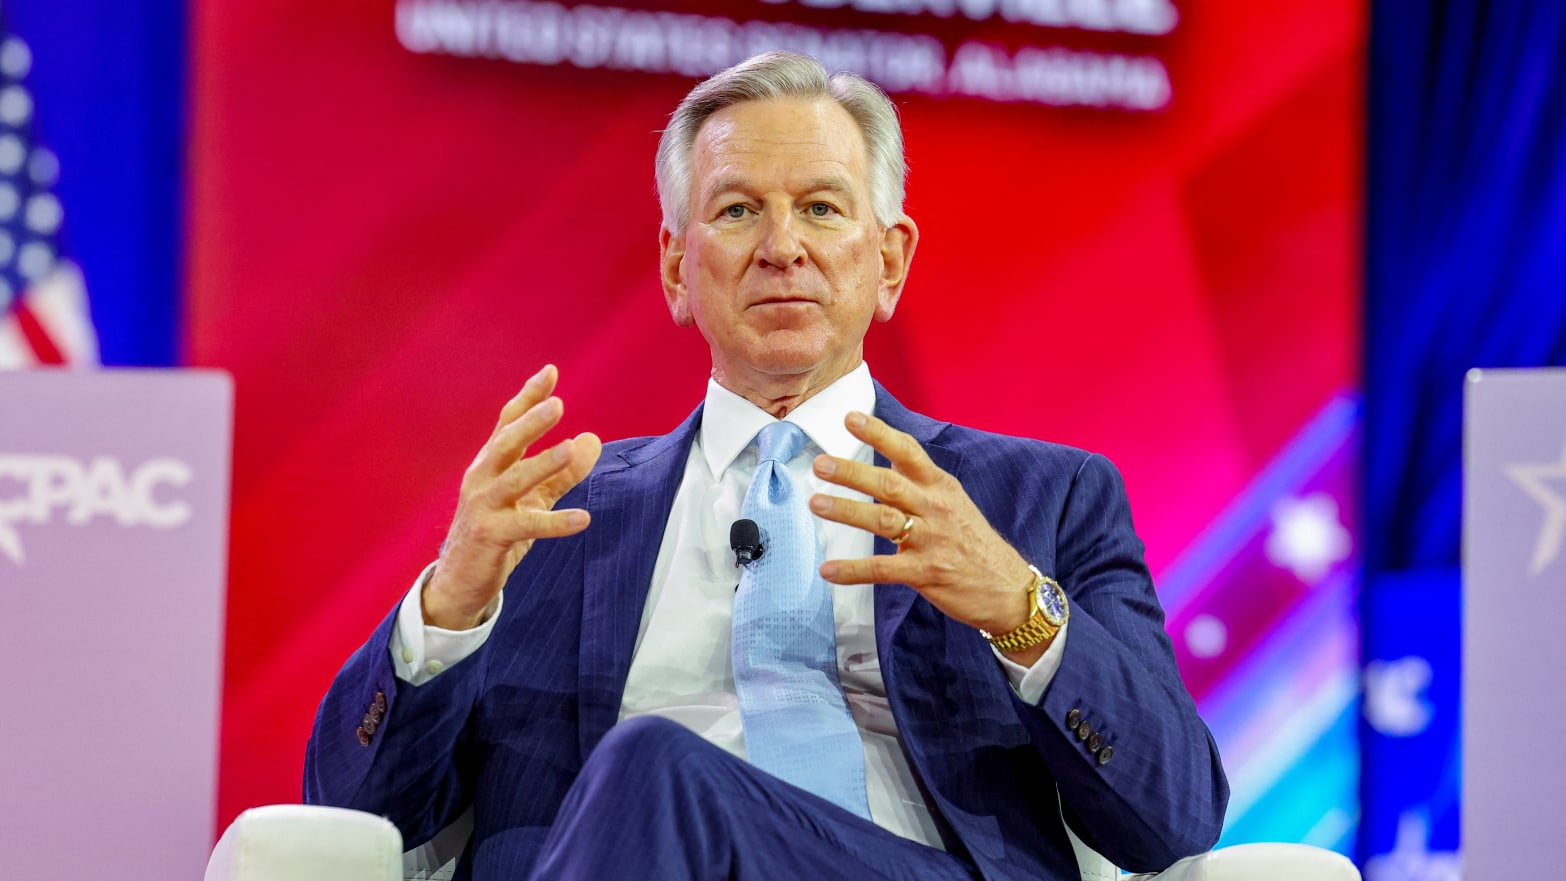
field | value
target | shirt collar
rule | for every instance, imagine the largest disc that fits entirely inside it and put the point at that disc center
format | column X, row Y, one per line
column 729, row 422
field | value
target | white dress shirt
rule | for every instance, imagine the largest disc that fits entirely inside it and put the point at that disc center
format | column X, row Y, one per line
column 682, row 668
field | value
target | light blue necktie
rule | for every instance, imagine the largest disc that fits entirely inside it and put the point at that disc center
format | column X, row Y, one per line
column 797, row 723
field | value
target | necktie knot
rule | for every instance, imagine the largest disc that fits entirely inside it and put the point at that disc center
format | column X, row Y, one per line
column 780, row 442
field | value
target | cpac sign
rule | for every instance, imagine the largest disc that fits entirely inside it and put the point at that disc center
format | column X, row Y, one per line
column 38, row 489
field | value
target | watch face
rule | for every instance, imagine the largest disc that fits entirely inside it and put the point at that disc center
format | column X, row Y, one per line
column 1053, row 601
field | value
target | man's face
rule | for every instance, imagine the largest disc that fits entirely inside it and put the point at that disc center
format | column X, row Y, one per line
column 782, row 264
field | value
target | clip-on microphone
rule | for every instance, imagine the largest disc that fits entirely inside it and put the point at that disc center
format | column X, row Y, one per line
column 745, row 540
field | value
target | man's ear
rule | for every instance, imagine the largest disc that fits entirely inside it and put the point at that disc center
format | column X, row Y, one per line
column 671, row 267
column 898, row 242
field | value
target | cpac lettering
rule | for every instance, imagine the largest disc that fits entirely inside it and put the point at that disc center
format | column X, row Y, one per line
column 34, row 487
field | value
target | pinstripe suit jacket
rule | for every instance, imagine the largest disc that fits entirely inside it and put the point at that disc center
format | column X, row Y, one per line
column 508, row 728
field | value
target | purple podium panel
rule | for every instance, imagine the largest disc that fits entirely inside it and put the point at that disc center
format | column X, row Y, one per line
column 114, row 495
column 1514, row 614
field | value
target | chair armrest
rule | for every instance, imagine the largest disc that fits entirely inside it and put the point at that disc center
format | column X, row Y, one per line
column 1273, row 862
column 307, row 843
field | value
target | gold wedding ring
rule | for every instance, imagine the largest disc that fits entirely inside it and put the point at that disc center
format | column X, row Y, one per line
column 901, row 537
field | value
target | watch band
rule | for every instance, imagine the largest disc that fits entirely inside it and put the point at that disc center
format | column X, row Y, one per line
column 1033, row 631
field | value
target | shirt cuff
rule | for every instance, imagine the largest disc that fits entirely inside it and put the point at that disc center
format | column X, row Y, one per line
column 420, row 651
column 1030, row 683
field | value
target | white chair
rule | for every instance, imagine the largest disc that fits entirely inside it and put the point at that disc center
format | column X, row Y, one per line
column 307, row 843
column 310, row 843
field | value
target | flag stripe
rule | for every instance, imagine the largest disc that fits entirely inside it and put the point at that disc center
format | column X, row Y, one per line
column 44, row 348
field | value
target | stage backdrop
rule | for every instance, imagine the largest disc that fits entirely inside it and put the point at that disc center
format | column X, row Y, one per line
column 1140, row 237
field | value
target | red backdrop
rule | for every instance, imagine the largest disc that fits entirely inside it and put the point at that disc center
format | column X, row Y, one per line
column 386, row 243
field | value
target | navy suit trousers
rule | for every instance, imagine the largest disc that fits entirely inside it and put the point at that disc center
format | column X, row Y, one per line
column 655, row 801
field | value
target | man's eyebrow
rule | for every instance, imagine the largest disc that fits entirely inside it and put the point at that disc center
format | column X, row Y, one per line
column 827, row 184
column 830, row 184
column 723, row 185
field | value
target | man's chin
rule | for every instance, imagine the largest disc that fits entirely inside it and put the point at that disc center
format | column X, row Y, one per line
column 790, row 352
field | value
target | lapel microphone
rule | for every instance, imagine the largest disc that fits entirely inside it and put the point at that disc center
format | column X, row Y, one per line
column 745, row 541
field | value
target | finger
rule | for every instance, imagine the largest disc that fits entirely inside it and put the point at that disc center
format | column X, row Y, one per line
column 882, row 484
column 883, row 520
column 899, row 448
column 585, row 449
column 512, row 442
column 538, row 387
column 527, row 474
column 551, row 524
column 879, row 569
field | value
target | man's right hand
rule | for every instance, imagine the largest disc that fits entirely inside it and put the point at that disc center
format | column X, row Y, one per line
column 506, row 503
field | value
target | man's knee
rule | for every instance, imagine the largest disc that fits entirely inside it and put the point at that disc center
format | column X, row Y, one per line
column 643, row 747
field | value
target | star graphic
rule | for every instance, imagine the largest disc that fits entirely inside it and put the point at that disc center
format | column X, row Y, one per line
column 1308, row 537
column 1534, row 480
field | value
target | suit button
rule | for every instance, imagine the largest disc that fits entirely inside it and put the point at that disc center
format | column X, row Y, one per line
column 1084, row 730
column 1094, row 742
column 364, row 737
column 368, row 723
column 1073, row 719
column 1105, row 754
column 377, row 713
column 380, row 701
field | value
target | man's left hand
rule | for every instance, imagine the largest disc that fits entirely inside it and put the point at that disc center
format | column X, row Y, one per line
column 950, row 553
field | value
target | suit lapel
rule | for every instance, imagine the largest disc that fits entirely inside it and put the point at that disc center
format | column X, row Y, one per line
column 630, row 500
column 892, row 601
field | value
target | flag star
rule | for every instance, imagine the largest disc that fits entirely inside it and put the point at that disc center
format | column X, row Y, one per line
column 35, row 259
column 44, row 213
column 15, row 105
column 15, row 58
column 1307, row 536
column 12, row 154
column 1535, row 480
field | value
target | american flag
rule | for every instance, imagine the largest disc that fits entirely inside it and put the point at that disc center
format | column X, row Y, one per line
column 44, row 317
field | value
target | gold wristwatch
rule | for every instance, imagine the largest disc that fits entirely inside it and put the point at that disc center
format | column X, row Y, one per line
column 1050, row 612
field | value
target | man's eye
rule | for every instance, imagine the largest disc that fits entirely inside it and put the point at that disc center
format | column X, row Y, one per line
column 734, row 212
column 820, row 209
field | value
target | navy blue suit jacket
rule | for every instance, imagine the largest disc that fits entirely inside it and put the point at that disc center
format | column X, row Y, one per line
column 508, row 728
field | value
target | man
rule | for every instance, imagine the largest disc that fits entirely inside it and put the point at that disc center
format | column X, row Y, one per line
column 580, row 668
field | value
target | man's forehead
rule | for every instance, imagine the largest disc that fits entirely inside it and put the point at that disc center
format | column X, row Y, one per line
column 811, row 139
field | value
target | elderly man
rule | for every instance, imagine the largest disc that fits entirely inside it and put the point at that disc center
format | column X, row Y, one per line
column 927, row 649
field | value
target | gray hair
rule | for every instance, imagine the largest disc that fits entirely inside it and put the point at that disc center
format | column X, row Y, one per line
column 769, row 76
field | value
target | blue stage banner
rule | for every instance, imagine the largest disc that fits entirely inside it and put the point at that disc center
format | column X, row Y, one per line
column 1412, row 760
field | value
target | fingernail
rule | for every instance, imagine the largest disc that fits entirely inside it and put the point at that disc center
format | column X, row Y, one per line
column 829, row 570
column 562, row 452
column 577, row 519
column 825, row 466
column 540, row 374
column 856, row 419
column 820, row 504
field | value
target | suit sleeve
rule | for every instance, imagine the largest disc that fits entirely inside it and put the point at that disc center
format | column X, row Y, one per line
column 1142, row 782
column 410, row 761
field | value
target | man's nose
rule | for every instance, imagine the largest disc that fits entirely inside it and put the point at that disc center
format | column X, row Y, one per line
column 780, row 246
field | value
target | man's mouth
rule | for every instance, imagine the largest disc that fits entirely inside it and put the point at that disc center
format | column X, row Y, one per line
column 783, row 298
